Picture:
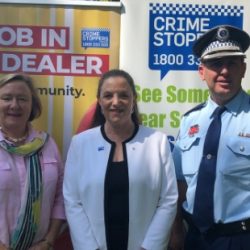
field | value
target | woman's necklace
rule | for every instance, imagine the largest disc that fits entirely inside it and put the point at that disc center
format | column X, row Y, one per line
column 13, row 139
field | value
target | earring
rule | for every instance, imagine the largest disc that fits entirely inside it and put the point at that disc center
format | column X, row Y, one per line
column 132, row 110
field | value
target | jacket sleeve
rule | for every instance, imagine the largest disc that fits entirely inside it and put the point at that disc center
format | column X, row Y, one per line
column 158, row 233
column 80, row 229
column 58, row 206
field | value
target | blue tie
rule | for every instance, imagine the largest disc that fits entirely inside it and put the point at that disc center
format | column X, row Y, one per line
column 203, row 213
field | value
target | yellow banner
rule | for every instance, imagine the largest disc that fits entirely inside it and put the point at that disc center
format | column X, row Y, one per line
column 65, row 50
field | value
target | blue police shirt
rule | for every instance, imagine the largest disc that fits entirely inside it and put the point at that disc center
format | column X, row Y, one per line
column 232, row 184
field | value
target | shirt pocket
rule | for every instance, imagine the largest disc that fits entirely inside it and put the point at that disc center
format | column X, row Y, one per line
column 6, row 177
column 187, row 143
column 239, row 146
column 50, row 169
column 188, row 147
column 237, row 165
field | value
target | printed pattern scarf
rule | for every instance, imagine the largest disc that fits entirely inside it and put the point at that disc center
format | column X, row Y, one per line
column 29, row 215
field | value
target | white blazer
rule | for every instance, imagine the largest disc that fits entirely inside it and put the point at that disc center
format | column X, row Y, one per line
column 152, row 189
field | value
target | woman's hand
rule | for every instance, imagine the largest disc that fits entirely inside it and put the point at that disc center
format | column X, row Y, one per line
column 177, row 238
column 48, row 241
column 3, row 247
column 41, row 245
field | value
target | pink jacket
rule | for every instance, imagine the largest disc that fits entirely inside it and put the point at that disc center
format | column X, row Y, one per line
column 12, row 181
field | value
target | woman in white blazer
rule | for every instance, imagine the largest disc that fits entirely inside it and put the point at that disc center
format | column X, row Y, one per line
column 119, row 186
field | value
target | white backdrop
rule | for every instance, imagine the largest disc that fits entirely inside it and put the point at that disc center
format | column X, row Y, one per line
column 155, row 48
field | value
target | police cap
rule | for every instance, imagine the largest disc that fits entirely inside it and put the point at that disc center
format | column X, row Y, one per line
column 221, row 41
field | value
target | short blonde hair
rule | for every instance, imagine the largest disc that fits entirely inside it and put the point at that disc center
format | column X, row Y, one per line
column 36, row 109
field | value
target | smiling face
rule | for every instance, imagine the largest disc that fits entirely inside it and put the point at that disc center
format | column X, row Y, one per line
column 223, row 77
column 117, row 101
column 15, row 107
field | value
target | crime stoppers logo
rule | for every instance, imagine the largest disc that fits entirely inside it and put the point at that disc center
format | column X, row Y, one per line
column 174, row 28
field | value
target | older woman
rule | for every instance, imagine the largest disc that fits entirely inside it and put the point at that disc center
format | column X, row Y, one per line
column 31, row 171
column 119, row 188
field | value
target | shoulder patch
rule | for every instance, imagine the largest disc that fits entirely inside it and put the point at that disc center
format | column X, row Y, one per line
column 198, row 107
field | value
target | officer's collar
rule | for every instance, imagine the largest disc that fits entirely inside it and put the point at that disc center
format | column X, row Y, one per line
column 232, row 106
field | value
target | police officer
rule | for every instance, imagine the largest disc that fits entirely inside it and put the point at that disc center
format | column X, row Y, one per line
column 212, row 152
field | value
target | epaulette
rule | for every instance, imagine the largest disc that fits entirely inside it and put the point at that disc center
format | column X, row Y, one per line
column 200, row 106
